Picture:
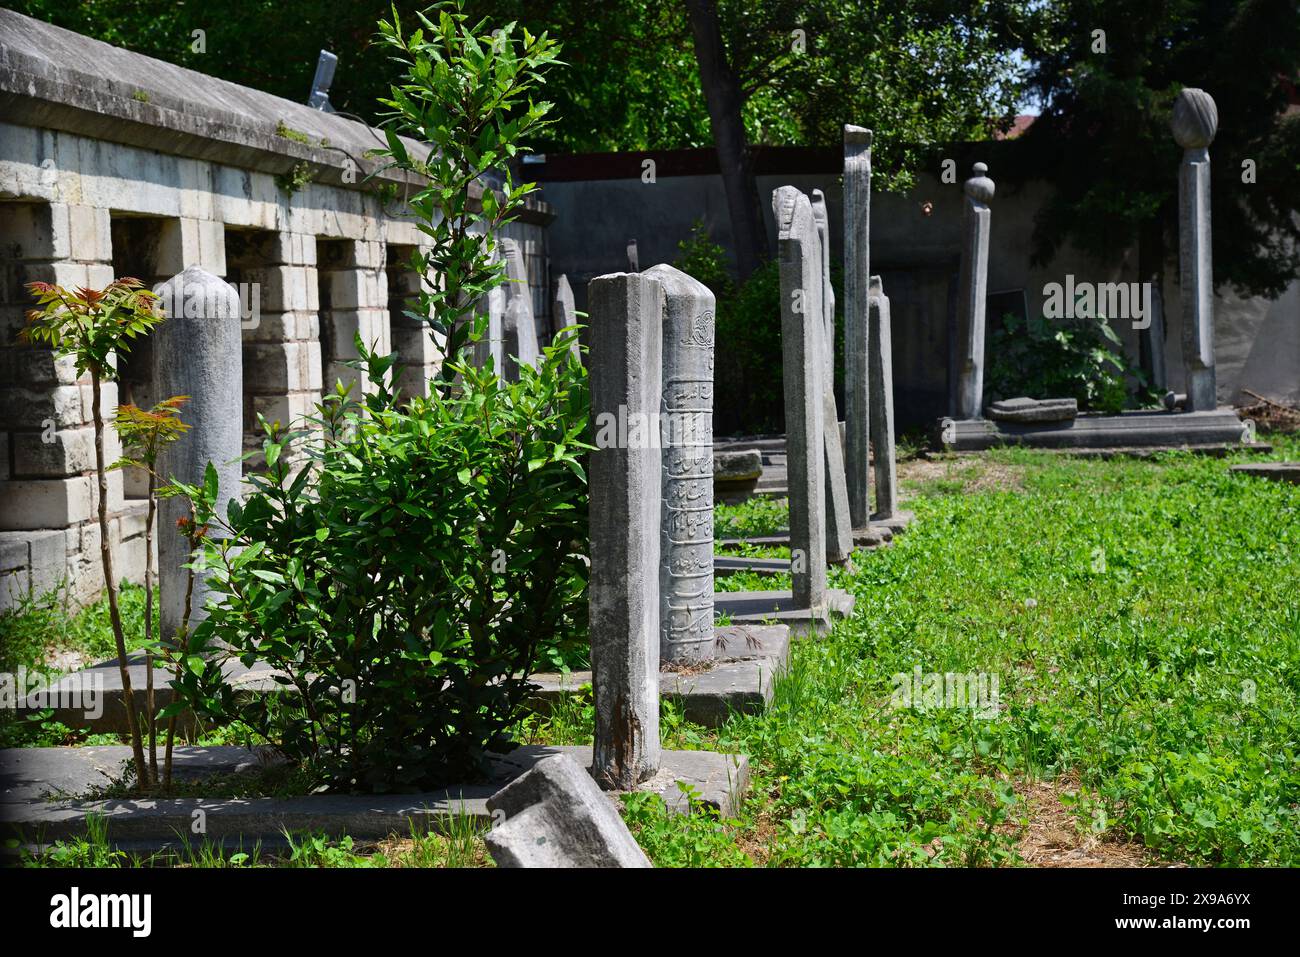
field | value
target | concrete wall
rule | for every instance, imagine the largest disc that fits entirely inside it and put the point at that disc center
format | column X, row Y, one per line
column 115, row 164
column 918, row 255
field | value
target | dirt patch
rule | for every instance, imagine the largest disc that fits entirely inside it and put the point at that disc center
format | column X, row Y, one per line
column 975, row 473
column 1054, row 836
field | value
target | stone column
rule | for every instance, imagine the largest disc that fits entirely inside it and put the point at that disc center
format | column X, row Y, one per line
column 882, row 403
column 686, row 542
column 839, row 526
column 197, row 352
column 857, row 269
column 1195, row 121
column 973, row 289
column 802, row 359
column 624, row 501
column 519, row 329
column 564, row 315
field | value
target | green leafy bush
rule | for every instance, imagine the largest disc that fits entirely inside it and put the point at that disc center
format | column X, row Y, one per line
column 748, row 321
column 406, row 579
column 1059, row 358
column 404, row 563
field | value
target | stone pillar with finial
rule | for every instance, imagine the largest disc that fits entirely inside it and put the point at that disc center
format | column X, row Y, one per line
column 1194, row 123
column 973, row 289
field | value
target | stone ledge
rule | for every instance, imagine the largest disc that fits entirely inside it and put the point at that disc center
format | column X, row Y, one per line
column 56, row 79
column 1137, row 429
column 739, row 682
column 719, row 781
column 1275, row 471
column 874, row 536
column 778, row 607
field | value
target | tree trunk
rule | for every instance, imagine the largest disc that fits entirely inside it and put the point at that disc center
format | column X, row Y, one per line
column 725, row 101
column 110, row 585
column 148, row 626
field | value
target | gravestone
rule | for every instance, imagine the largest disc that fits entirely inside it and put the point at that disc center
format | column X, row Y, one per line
column 518, row 327
column 197, row 351
column 972, row 291
column 564, row 315
column 1151, row 340
column 857, row 270
column 624, row 496
column 686, row 545
column 554, row 815
column 881, row 375
column 802, row 363
column 839, row 526
column 1194, row 123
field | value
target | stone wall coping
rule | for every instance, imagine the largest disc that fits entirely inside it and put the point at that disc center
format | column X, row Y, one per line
column 57, row 79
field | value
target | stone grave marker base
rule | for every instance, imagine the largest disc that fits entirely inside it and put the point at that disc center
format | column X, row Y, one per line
column 1138, row 429
column 778, row 607
column 740, row 679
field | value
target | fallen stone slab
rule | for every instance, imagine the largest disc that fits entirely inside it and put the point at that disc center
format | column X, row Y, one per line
column 779, row 607
column 741, row 465
column 557, row 816
column 1140, row 429
column 1024, row 409
column 1274, row 471
column 740, row 680
column 718, row 781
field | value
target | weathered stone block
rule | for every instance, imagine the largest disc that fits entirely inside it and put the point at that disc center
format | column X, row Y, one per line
column 191, row 242
column 70, row 452
column 41, row 366
column 89, row 239
column 272, row 367
column 59, row 407
column 39, row 230
column 743, row 465
column 556, row 816
column 45, row 503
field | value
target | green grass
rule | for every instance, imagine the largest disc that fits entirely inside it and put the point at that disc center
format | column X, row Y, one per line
column 1160, row 665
